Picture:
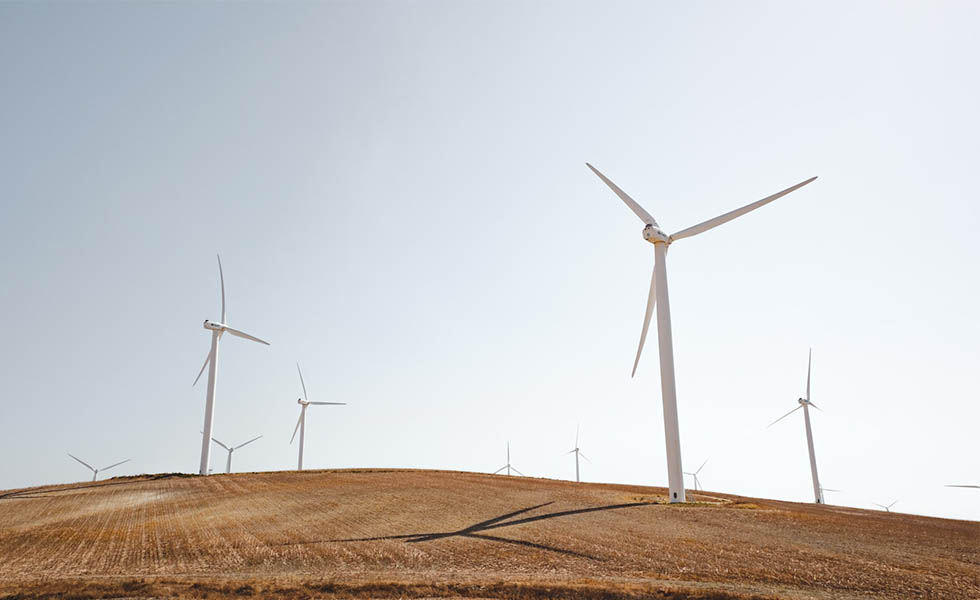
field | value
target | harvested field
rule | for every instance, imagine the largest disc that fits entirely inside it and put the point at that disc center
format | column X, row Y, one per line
column 430, row 534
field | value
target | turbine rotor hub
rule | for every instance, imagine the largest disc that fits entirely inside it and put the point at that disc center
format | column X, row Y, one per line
column 655, row 235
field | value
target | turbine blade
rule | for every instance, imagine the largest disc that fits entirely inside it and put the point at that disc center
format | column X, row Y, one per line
column 207, row 361
column 499, row 470
column 220, row 444
column 576, row 435
column 702, row 466
column 823, row 489
column 893, row 504
column 516, row 471
column 584, row 456
column 242, row 334
column 815, row 406
column 651, row 302
column 964, row 486
column 738, row 212
column 81, row 461
column 115, row 465
column 330, row 403
column 809, row 359
column 221, row 272
column 302, row 382
column 298, row 421
column 636, row 208
column 247, row 443
column 569, row 452
column 784, row 416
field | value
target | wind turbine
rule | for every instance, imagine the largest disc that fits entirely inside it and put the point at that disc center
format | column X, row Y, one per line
column 507, row 466
column 95, row 472
column 575, row 450
column 887, row 508
column 212, row 359
column 805, row 404
column 697, row 482
column 301, row 424
column 231, row 450
column 658, row 297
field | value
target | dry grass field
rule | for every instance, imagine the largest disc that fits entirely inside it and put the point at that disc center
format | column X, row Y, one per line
column 430, row 534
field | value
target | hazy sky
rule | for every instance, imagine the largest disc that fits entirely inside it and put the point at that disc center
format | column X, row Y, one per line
column 399, row 196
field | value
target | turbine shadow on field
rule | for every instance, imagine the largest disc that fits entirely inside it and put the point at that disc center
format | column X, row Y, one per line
column 506, row 520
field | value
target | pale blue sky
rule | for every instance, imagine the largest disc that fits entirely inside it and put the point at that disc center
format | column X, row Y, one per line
column 399, row 195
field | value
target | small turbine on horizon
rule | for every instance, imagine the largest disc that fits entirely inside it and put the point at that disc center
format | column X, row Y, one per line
column 212, row 360
column 301, row 423
column 887, row 508
column 697, row 482
column 574, row 450
column 508, row 465
column 95, row 472
column 658, row 297
column 231, row 450
column 805, row 404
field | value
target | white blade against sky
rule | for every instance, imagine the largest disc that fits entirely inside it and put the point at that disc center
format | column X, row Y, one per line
column 738, row 212
column 631, row 203
column 219, row 443
column 221, row 273
column 784, row 416
column 247, row 443
column 207, row 361
column 115, row 465
column 298, row 422
column 303, row 383
column 82, row 461
column 242, row 334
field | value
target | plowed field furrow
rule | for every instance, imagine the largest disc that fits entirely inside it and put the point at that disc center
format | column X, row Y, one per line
column 406, row 531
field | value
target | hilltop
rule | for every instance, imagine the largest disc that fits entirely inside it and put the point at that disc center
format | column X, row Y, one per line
column 413, row 534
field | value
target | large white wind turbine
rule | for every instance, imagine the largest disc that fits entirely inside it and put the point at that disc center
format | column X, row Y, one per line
column 805, row 404
column 574, row 450
column 697, row 482
column 508, row 466
column 231, row 450
column 658, row 297
column 95, row 472
column 301, row 424
column 212, row 360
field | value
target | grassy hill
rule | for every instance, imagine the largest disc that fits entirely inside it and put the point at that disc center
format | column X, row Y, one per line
column 432, row 534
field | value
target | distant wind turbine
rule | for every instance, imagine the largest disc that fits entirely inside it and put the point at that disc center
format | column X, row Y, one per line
column 805, row 404
column 231, row 450
column 887, row 508
column 574, row 450
column 697, row 482
column 301, row 423
column 508, row 465
column 658, row 297
column 95, row 472
column 212, row 360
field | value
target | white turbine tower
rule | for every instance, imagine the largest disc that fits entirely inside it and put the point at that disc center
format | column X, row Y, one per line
column 805, row 404
column 212, row 360
column 697, row 482
column 658, row 297
column 887, row 508
column 301, row 424
column 231, row 450
column 574, row 450
column 508, row 465
column 95, row 472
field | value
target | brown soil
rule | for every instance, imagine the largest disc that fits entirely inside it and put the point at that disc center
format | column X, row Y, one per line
column 430, row 534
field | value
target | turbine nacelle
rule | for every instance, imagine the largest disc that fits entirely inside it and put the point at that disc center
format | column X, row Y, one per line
column 214, row 326
column 655, row 235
